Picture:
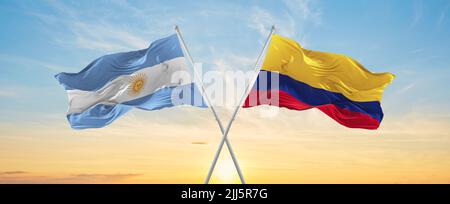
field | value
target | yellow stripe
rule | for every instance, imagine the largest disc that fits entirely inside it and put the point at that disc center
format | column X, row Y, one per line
column 332, row 72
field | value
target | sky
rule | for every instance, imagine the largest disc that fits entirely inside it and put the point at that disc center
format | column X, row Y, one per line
column 408, row 38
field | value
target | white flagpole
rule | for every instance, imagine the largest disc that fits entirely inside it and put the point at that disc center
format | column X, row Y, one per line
column 201, row 86
column 257, row 68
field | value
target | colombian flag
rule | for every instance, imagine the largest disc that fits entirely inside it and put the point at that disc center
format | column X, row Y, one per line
column 335, row 84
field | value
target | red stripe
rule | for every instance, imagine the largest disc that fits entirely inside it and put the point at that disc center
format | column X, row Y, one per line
column 343, row 116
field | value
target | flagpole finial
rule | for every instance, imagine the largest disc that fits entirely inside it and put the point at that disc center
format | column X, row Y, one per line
column 175, row 27
column 273, row 27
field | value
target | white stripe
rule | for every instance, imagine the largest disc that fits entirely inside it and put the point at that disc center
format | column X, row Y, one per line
column 170, row 73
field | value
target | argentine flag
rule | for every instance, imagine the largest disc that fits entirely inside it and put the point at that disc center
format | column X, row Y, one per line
column 149, row 79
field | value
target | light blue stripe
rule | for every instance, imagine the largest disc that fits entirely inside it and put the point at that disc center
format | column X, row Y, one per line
column 97, row 116
column 106, row 68
column 101, row 115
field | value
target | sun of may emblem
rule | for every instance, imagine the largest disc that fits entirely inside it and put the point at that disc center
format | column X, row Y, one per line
column 137, row 82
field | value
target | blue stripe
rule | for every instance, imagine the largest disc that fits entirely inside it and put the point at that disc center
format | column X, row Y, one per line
column 106, row 68
column 316, row 97
column 101, row 115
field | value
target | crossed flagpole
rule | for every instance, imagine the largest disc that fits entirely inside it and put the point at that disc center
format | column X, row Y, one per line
column 200, row 85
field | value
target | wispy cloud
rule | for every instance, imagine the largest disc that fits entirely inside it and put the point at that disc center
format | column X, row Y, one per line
column 92, row 30
column 8, row 93
column 306, row 10
column 417, row 13
column 406, row 88
column 262, row 20
column 443, row 15
column 30, row 177
column 105, row 37
column 12, row 172
column 298, row 18
column 101, row 177
column 31, row 63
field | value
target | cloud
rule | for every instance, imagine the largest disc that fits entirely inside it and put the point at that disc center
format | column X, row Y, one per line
column 8, row 93
column 199, row 143
column 104, row 37
column 262, row 20
column 94, row 30
column 406, row 88
column 295, row 21
column 31, row 63
column 443, row 15
column 29, row 177
column 417, row 13
column 307, row 10
column 101, row 177
column 18, row 92
column 12, row 172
